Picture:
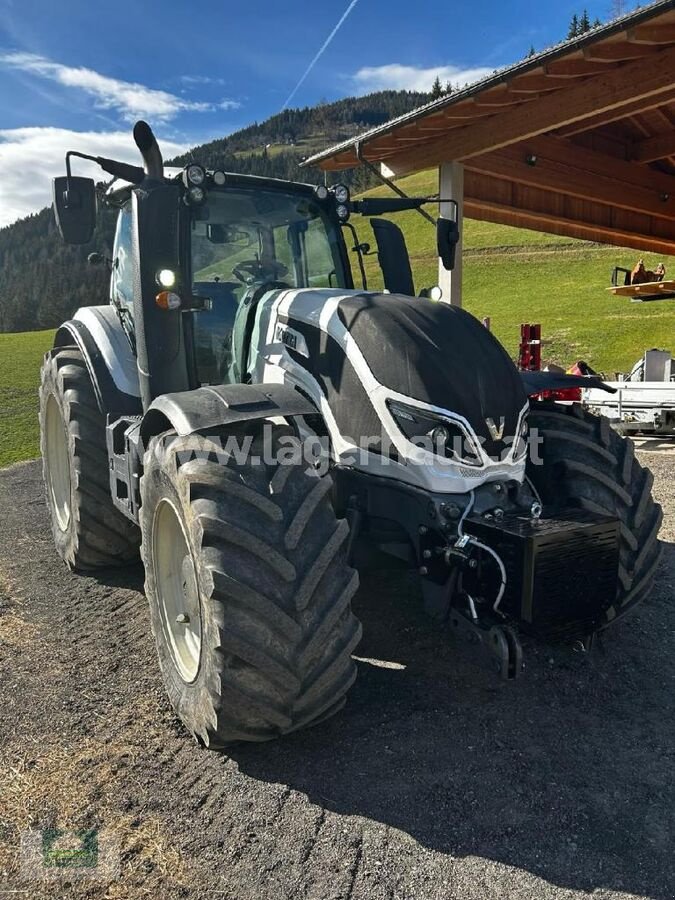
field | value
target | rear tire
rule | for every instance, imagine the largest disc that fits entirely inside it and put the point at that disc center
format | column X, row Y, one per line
column 263, row 644
column 586, row 464
column 89, row 532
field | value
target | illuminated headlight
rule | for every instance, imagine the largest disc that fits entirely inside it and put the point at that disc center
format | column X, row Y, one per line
column 194, row 175
column 434, row 433
column 321, row 191
column 219, row 178
column 166, row 278
column 195, row 196
column 342, row 212
column 341, row 192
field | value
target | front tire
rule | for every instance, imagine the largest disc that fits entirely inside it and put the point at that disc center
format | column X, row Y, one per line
column 588, row 465
column 249, row 590
column 89, row 532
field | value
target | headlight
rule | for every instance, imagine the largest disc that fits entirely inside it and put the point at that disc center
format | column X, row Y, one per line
column 193, row 174
column 342, row 212
column 321, row 191
column 341, row 192
column 219, row 178
column 432, row 432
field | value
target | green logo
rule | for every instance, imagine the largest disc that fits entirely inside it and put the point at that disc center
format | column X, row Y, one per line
column 70, row 849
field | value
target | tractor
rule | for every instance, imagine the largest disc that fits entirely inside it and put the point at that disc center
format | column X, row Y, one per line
column 255, row 428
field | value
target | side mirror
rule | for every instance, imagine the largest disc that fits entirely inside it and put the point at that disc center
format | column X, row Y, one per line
column 74, row 208
column 447, row 237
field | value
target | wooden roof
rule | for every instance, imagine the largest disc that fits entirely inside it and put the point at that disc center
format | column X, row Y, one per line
column 578, row 140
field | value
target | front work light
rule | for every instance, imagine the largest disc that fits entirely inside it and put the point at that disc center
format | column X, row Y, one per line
column 166, row 278
column 342, row 212
column 341, row 192
column 321, row 191
column 195, row 196
column 193, row 174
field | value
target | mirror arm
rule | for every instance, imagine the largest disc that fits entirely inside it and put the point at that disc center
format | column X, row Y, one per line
column 390, row 184
column 358, row 249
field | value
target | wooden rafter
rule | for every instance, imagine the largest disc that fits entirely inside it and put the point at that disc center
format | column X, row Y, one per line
column 659, row 147
column 617, row 52
column 562, row 168
column 653, row 34
column 612, row 93
column 555, row 224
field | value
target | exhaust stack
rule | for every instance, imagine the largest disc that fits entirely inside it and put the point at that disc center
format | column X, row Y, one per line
column 149, row 148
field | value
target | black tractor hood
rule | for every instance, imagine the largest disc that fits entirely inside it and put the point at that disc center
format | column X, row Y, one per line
column 441, row 355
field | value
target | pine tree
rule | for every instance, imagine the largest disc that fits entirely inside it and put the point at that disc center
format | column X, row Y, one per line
column 436, row 89
column 585, row 23
column 532, row 52
column 574, row 27
column 449, row 88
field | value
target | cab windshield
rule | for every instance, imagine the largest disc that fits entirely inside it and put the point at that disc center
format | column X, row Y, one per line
column 247, row 236
column 244, row 239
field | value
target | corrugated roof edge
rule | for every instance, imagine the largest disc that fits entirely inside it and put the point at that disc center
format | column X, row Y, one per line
column 616, row 26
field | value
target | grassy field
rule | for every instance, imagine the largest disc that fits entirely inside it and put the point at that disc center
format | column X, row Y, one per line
column 20, row 360
column 510, row 274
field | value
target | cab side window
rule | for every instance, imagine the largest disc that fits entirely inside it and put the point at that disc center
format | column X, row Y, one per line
column 122, row 281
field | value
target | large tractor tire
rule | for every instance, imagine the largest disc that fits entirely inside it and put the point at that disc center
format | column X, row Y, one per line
column 249, row 590
column 89, row 532
column 586, row 464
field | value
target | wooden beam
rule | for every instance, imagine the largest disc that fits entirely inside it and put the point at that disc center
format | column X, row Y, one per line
column 616, row 52
column 616, row 114
column 536, row 84
column 574, row 68
column 609, row 93
column 574, row 181
column 567, row 154
column 489, row 211
column 652, row 34
column 660, row 147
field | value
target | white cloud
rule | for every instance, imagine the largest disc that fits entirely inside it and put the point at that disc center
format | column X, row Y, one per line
column 131, row 100
column 396, row 77
column 31, row 157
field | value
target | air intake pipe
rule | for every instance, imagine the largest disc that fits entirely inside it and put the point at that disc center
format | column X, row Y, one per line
column 149, row 148
column 160, row 337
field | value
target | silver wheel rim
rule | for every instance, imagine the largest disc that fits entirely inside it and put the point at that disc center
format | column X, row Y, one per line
column 58, row 463
column 177, row 590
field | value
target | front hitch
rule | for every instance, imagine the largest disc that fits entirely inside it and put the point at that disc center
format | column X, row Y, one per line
column 497, row 643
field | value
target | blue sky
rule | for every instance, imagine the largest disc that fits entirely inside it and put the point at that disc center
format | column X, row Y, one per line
column 200, row 71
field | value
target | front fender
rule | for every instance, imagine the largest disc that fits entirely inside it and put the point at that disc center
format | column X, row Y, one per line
column 215, row 406
column 536, row 382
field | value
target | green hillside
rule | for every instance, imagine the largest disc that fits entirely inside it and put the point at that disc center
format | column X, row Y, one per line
column 21, row 356
column 514, row 275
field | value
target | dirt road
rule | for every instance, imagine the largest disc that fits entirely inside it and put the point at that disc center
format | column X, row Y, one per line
column 436, row 782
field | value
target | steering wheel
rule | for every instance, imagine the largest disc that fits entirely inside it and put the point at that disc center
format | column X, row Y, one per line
column 253, row 271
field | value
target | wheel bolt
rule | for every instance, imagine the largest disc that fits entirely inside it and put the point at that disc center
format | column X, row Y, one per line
column 182, row 619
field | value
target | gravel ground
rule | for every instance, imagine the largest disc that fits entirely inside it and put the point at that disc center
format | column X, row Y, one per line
column 435, row 783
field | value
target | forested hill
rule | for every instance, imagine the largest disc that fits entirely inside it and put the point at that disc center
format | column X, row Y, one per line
column 43, row 281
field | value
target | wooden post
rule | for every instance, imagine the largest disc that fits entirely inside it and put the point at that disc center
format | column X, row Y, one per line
column 451, row 187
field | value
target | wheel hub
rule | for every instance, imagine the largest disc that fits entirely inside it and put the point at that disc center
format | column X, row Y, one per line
column 58, row 463
column 178, row 590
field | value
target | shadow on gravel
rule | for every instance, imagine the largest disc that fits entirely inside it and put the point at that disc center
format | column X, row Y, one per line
column 566, row 774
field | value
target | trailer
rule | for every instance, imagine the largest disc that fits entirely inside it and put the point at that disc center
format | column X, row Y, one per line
column 644, row 402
